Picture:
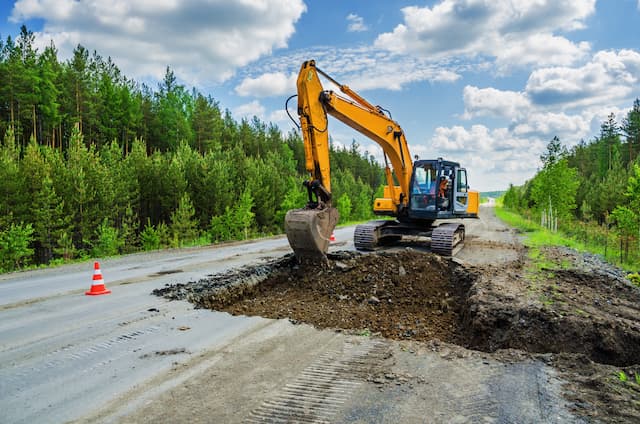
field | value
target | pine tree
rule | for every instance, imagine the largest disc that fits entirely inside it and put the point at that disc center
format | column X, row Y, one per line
column 50, row 220
column 631, row 129
column 243, row 217
column 344, row 207
column 12, row 189
column 610, row 136
column 183, row 224
column 49, row 74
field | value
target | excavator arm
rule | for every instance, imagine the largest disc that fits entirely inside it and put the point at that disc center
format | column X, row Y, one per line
column 309, row 229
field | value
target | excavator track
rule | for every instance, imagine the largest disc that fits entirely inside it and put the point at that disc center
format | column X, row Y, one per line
column 365, row 236
column 447, row 239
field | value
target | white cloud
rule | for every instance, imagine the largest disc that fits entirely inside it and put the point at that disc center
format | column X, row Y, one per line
column 539, row 49
column 362, row 68
column 249, row 110
column 394, row 77
column 202, row 40
column 268, row 84
column 493, row 102
column 356, row 23
column 479, row 139
column 516, row 33
column 610, row 77
column 493, row 157
column 569, row 128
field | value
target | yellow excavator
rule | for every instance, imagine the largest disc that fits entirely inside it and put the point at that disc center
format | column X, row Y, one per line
column 417, row 193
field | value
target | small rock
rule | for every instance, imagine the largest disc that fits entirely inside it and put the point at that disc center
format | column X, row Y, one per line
column 342, row 266
column 373, row 300
column 401, row 271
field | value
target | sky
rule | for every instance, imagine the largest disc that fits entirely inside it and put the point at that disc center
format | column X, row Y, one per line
column 487, row 83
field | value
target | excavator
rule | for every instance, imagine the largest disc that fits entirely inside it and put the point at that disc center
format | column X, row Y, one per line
column 416, row 194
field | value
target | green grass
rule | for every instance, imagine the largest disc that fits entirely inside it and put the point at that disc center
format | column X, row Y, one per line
column 536, row 236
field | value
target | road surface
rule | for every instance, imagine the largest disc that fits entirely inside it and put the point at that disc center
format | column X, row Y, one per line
column 64, row 354
column 133, row 357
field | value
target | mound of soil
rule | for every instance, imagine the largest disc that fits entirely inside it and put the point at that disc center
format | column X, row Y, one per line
column 420, row 296
column 576, row 311
column 400, row 295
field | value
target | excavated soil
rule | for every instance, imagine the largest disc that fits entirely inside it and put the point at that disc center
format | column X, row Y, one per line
column 421, row 296
column 406, row 295
column 574, row 311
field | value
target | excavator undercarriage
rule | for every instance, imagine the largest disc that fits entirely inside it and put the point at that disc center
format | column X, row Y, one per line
column 446, row 239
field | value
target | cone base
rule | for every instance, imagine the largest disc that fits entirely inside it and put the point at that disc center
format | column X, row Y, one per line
column 97, row 292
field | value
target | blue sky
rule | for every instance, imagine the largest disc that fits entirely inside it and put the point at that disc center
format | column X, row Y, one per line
column 485, row 82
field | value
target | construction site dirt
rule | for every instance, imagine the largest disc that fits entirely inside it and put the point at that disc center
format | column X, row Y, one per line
column 497, row 302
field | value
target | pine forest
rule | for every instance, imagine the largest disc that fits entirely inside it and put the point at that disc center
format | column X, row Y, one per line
column 93, row 163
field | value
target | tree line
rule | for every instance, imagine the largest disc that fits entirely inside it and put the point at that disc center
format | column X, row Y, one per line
column 591, row 191
column 93, row 163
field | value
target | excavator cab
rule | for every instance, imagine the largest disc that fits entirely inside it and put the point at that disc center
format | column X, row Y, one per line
column 438, row 191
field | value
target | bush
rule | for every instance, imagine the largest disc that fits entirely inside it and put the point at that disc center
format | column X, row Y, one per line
column 150, row 237
column 14, row 246
column 109, row 242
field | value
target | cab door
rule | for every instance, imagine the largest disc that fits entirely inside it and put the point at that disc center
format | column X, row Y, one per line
column 461, row 192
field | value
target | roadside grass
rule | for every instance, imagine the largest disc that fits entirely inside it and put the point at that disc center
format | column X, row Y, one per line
column 536, row 236
column 540, row 270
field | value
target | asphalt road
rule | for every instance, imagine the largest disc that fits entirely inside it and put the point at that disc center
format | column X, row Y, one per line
column 64, row 354
column 133, row 357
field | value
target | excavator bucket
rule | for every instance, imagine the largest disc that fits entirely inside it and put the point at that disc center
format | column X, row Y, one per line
column 309, row 232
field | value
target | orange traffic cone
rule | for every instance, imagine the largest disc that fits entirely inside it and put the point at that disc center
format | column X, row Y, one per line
column 333, row 237
column 97, row 286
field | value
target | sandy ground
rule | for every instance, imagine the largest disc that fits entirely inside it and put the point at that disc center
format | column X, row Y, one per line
column 406, row 336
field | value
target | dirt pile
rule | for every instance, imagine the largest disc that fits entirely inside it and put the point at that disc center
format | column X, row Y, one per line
column 550, row 308
column 400, row 295
column 566, row 309
column 572, row 311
